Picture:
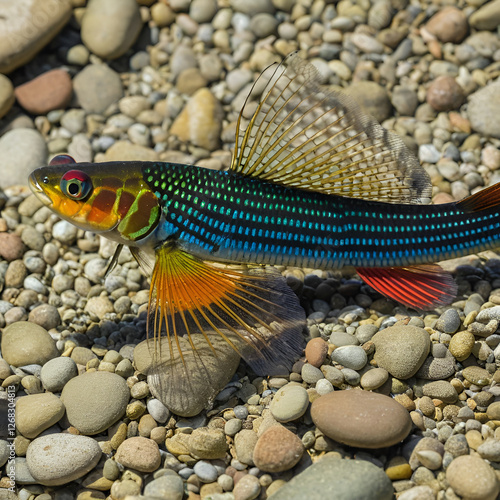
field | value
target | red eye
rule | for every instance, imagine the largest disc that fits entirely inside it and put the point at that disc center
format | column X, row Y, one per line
column 76, row 184
column 62, row 160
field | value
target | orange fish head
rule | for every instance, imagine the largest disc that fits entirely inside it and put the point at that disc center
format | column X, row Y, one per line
column 108, row 198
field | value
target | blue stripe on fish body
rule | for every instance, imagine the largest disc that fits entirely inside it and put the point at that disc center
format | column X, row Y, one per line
column 222, row 215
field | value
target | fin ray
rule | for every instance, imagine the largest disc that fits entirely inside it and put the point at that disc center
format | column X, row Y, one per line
column 420, row 287
column 303, row 136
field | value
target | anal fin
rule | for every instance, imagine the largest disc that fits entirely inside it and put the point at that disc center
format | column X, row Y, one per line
column 420, row 287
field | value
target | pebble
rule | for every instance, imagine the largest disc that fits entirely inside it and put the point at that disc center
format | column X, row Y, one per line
column 316, row 351
column 12, row 248
column 57, row 459
column 448, row 322
column 110, row 28
column 448, row 25
column 21, row 151
column 167, row 486
column 89, row 83
column 247, row 488
column 200, row 121
column 350, row 479
column 49, row 91
column 207, row 443
column 470, row 477
column 244, row 445
column 372, row 97
column 374, row 421
column 477, row 375
column 311, row 374
column 483, row 110
column 37, row 412
column 350, row 356
column 373, row 379
column 277, row 450
column 445, row 94
column 7, row 97
column 461, row 345
column 441, row 389
column 95, row 400
column 487, row 17
column 401, row 350
column 30, row 36
column 24, row 343
column 45, row 315
column 205, row 471
column 490, row 450
column 289, row 403
column 139, row 453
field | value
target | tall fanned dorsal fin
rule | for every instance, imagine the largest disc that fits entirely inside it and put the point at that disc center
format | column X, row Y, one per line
column 305, row 136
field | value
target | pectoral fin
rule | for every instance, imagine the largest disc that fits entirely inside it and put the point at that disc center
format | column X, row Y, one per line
column 196, row 304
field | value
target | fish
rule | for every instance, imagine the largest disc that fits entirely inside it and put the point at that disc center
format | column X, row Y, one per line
column 314, row 182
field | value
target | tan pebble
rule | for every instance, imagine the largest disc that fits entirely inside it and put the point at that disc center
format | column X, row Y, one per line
column 277, row 450
column 418, row 420
column 476, row 375
column 207, row 443
column 430, row 459
column 405, row 401
column 316, row 350
column 426, row 406
column 474, row 439
column 90, row 495
column 461, row 345
column 178, row 444
column 37, row 412
column 472, row 478
column 375, row 421
column 244, row 445
column 247, row 488
column 117, row 434
column 122, row 489
column 425, row 444
column 139, row 453
column 146, row 424
column 209, row 489
column 398, row 468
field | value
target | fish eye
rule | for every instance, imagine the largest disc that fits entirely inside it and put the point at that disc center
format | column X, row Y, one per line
column 76, row 184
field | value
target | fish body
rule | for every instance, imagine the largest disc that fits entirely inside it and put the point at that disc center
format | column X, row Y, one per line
column 313, row 183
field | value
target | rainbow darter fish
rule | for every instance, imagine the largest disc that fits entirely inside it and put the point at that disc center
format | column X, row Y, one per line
column 313, row 183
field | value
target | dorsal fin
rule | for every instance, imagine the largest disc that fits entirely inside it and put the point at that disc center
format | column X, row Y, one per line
column 304, row 136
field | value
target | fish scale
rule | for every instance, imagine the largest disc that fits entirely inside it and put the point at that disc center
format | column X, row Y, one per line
column 219, row 215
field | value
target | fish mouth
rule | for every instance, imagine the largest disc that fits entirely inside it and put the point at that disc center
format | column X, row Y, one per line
column 38, row 190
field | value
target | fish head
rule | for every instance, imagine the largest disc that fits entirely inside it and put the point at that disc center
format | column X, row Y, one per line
column 111, row 199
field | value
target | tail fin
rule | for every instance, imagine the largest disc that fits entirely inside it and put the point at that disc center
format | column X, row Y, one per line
column 485, row 199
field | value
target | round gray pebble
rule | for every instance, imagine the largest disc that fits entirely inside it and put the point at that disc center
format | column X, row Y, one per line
column 158, row 410
column 289, row 403
column 57, row 372
column 168, row 486
column 350, row 356
column 205, row 471
column 311, row 374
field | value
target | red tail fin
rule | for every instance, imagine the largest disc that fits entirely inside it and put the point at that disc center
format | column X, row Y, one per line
column 420, row 287
column 487, row 198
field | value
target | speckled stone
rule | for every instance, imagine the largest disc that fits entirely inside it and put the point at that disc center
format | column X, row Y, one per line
column 440, row 389
column 477, row 375
column 95, row 400
column 139, row 453
column 360, row 418
column 277, row 450
column 289, row 403
column 401, row 349
column 472, row 478
column 461, row 345
column 207, row 443
column 58, row 459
